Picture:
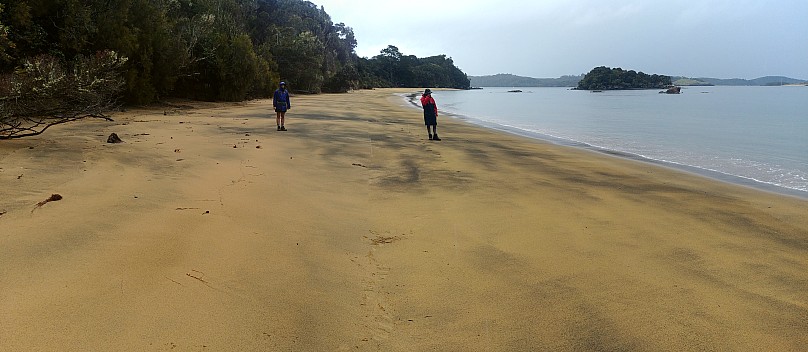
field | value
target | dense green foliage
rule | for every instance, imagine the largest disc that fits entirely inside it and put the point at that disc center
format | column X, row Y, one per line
column 211, row 49
column 605, row 78
column 391, row 68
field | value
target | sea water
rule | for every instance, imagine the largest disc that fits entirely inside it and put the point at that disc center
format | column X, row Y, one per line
column 756, row 136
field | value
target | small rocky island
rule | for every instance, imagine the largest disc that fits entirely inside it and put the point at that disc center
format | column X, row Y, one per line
column 672, row 90
column 605, row 78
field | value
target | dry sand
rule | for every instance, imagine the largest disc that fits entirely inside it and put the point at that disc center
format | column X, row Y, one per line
column 207, row 230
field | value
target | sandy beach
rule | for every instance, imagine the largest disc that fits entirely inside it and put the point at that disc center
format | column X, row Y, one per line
column 208, row 230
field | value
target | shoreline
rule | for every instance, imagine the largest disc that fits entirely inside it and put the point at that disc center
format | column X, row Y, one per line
column 716, row 175
column 207, row 229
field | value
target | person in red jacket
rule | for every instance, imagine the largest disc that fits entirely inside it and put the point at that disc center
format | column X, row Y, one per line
column 430, row 114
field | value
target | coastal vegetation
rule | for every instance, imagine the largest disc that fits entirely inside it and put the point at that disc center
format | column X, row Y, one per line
column 605, row 78
column 42, row 93
column 391, row 68
column 225, row 50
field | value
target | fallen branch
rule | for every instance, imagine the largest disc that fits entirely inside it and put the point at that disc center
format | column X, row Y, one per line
column 172, row 280
column 197, row 277
column 44, row 93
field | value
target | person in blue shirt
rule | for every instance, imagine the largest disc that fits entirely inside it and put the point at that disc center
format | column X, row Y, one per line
column 281, row 103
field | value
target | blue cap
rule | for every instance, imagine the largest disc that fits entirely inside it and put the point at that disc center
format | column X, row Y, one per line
column 283, row 83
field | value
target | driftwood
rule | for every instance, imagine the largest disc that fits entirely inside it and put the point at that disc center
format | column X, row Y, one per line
column 54, row 197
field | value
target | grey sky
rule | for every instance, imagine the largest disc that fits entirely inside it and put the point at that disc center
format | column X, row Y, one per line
column 704, row 38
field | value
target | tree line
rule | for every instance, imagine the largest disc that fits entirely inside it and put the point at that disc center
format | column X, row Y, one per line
column 211, row 49
column 391, row 68
column 605, row 78
column 66, row 52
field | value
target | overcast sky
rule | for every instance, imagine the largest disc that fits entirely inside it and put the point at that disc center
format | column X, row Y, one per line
column 550, row 38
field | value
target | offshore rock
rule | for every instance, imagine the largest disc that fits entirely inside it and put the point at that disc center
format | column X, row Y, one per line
column 673, row 90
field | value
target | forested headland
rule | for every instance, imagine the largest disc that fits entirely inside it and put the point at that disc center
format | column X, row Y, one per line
column 605, row 78
column 68, row 59
column 211, row 49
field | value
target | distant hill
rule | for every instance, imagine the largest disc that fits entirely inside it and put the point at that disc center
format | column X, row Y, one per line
column 509, row 80
column 762, row 81
column 682, row 81
column 776, row 80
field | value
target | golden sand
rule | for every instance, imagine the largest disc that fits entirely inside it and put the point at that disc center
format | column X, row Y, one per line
column 208, row 230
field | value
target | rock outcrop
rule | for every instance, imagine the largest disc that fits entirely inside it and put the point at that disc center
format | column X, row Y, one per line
column 673, row 90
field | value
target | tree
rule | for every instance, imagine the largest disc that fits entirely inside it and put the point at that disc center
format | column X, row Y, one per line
column 391, row 68
column 239, row 68
column 210, row 49
column 5, row 43
column 300, row 59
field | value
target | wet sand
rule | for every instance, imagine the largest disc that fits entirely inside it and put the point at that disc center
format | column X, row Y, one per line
column 210, row 230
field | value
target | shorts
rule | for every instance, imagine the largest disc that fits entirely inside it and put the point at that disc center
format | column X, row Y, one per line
column 430, row 120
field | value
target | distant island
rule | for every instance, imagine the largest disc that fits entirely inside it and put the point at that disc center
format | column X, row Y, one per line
column 510, row 80
column 606, row 78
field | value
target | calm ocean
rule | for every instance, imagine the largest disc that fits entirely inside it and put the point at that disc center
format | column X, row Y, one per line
column 756, row 136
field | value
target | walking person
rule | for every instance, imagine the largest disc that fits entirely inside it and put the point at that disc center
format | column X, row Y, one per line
column 430, row 114
column 281, row 103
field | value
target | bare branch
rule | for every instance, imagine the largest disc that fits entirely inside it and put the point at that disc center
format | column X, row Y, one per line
column 43, row 94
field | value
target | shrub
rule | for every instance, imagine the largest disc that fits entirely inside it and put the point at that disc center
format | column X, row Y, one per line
column 42, row 93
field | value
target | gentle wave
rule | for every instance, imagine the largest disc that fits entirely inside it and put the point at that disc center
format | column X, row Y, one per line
column 768, row 176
